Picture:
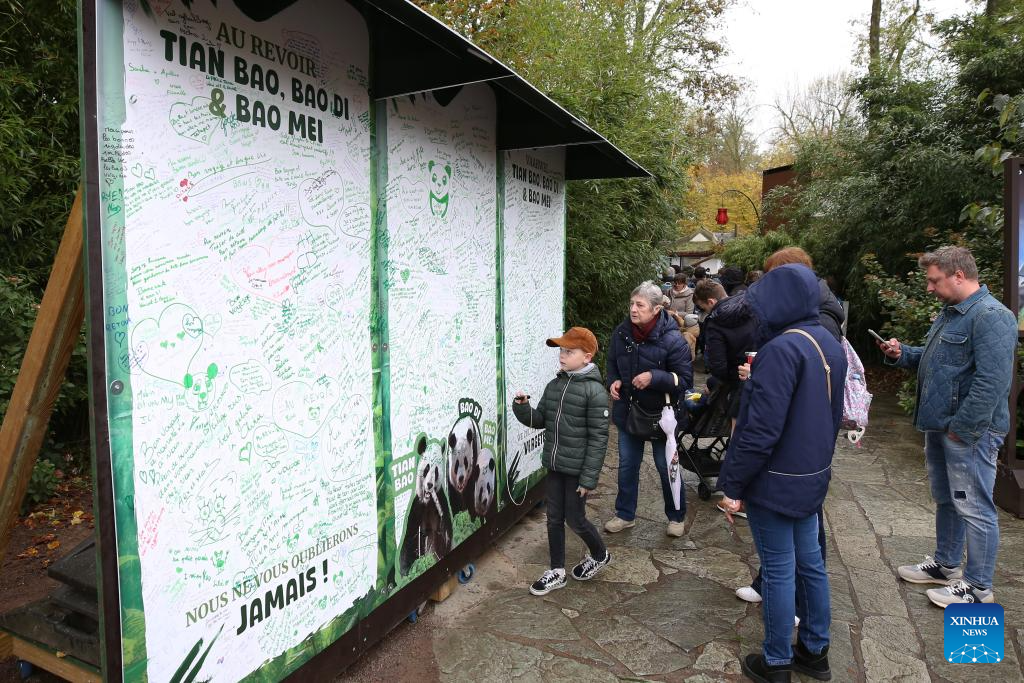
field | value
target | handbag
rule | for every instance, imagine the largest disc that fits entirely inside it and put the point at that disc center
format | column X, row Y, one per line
column 644, row 423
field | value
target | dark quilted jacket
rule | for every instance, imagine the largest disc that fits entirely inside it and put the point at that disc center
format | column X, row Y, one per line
column 573, row 412
column 665, row 353
column 728, row 335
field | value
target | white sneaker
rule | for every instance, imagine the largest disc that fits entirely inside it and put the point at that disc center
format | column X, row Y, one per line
column 796, row 622
column 748, row 594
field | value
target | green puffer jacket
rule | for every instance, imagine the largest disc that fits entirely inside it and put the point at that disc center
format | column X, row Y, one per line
column 573, row 412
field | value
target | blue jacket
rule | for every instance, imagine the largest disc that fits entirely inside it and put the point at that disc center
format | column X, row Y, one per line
column 964, row 368
column 664, row 352
column 780, row 455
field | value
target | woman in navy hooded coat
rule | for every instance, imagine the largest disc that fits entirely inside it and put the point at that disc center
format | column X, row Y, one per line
column 648, row 360
column 779, row 465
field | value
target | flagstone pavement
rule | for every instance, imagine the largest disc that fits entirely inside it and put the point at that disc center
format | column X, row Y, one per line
column 665, row 610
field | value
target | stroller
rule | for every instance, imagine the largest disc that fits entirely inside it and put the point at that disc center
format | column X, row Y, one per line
column 702, row 441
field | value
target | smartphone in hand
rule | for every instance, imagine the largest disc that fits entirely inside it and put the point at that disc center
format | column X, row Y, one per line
column 877, row 336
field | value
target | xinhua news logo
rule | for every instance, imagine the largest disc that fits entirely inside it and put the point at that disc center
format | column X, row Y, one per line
column 973, row 633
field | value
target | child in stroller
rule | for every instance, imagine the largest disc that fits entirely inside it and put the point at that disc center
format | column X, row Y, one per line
column 702, row 440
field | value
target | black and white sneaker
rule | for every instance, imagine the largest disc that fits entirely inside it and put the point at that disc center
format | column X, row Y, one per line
column 588, row 566
column 959, row 592
column 929, row 571
column 548, row 581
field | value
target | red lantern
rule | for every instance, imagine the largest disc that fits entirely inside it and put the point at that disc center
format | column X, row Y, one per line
column 723, row 216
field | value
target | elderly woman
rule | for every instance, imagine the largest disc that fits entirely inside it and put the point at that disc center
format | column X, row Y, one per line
column 648, row 365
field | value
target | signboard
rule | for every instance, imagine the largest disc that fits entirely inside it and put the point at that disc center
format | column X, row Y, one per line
column 308, row 313
column 442, row 292
column 533, row 294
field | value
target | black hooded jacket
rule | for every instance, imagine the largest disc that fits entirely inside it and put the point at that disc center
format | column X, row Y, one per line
column 729, row 332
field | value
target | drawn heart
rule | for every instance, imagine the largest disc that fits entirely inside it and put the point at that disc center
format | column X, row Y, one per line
column 150, row 174
column 211, row 324
column 194, row 120
column 119, row 337
column 169, row 355
column 302, row 409
column 245, row 453
column 193, row 325
column 137, row 170
column 108, row 180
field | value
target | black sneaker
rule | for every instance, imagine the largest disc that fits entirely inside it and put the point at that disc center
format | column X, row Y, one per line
column 548, row 581
column 756, row 669
column 815, row 666
column 588, row 566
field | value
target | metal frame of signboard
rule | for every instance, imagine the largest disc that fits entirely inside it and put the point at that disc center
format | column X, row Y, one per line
column 1009, row 489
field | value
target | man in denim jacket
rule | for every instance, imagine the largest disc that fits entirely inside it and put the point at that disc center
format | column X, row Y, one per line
column 963, row 386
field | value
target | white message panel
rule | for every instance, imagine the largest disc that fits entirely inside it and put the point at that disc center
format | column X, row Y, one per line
column 237, row 205
column 441, row 226
column 534, row 292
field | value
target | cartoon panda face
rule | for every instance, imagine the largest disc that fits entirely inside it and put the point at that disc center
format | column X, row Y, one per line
column 484, row 494
column 439, row 178
column 463, row 448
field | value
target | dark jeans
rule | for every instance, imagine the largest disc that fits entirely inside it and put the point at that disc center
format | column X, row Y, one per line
column 756, row 583
column 631, row 454
column 565, row 505
column 792, row 564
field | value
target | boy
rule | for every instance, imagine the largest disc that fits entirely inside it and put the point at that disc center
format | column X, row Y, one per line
column 573, row 412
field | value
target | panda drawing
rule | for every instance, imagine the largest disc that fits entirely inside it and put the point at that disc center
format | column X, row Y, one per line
column 428, row 529
column 462, row 451
column 483, row 487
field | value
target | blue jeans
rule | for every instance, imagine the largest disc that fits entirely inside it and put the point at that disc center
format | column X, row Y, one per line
column 757, row 582
column 791, row 564
column 631, row 454
column 962, row 479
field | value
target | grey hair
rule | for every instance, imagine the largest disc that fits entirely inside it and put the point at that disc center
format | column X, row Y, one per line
column 951, row 259
column 649, row 291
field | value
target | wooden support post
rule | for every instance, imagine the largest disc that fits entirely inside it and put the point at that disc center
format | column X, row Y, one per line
column 445, row 590
column 42, row 371
column 67, row 668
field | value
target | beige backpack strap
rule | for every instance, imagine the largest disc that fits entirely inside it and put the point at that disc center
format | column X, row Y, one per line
column 828, row 370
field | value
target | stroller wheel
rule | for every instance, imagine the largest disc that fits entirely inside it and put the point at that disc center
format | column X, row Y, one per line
column 703, row 491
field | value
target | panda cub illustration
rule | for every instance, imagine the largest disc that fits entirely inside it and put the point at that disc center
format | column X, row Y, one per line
column 462, row 452
column 428, row 529
column 471, row 471
column 483, row 489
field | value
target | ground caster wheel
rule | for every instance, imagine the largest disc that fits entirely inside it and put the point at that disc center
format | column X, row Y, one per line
column 466, row 573
column 703, row 491
column 25, row 669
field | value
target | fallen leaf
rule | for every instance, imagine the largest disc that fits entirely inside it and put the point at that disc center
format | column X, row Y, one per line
column 31, row 552
column 61, row 655
column 53, row 545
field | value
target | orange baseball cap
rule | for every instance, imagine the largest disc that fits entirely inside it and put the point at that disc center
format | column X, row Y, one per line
column 576, row 338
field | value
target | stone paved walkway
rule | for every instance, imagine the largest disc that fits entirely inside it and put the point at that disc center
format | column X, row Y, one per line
column 664, row 610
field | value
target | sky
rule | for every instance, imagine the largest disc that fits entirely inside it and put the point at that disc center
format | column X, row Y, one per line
column 780, row 44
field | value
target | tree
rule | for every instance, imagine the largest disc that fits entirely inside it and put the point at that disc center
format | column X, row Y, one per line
column 39, row 158
column 815, row 111
column 919, row 173
column 734, row 146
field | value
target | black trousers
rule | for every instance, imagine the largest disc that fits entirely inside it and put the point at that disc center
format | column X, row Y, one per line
column 565, row 505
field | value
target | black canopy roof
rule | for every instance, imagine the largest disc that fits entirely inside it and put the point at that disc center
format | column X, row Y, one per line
column 414, row 52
